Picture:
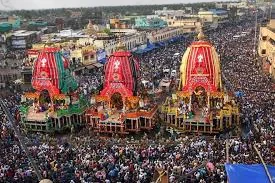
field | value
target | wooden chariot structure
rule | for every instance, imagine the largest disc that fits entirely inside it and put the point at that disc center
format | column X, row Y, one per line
column 56, row 104
column 201, row 104
column 118, row 109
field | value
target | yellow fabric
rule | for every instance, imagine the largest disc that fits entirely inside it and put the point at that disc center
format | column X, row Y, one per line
column 216, row 60
column 183, row 67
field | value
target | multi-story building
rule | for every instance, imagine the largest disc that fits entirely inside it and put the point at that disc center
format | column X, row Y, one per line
column 13, row 20
column 266, row 47
column 23, row 39
column 164, row 34
column 187, row 23
column 243, row 4
column 85, row 55
column 150, row 22
column 125, row 23
column 213, row 16
column 59, row 23
column 130, row 41
column 166, row 12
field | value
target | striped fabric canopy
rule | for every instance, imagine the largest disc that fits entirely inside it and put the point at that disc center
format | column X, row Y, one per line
column 51, row 73
column 121, row 74
column 200, row 67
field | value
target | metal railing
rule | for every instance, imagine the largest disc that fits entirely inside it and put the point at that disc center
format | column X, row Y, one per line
column 21, row 139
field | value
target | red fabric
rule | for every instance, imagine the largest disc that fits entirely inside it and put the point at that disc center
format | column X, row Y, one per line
column 66, row 64
column 119, row 75
column 200, row 61
column 101, row 116
column 45, row 72
column 33, row 52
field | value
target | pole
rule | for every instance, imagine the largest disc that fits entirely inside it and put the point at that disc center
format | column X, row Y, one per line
column 270, row 10
column 265, row 167
column 20, row 138
column 255, row 38
column 227, row 150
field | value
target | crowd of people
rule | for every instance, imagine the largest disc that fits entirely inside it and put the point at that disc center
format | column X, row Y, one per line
column 85, row 157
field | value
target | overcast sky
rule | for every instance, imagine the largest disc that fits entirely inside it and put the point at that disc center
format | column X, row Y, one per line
column 46, row 4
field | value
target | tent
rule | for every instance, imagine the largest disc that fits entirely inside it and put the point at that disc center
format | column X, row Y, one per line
column 149, row 47
column 249, row 173
column 138, row 51
column 5, row 27
column 160, row 43
column 239, row 94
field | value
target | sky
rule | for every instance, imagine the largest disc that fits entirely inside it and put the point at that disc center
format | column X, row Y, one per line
column 47, row 4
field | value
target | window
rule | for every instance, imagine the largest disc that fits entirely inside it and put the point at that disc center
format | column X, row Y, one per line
column 264, row 38
column 263, row 51
column 272, row 42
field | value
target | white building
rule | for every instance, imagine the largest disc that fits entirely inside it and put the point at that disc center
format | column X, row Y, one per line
column 213, row 16
column 130, row 42
column 164, row 34
column 165, row 12
column 188, row 24
column 243, row 4
column 23, row 39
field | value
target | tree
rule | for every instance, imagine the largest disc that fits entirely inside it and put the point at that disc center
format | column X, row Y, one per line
column 107, row 31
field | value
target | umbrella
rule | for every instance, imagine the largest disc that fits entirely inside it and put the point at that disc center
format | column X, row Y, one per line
column 210, row 166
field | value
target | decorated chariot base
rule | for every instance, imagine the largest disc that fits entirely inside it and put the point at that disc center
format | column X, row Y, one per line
column 201, row 104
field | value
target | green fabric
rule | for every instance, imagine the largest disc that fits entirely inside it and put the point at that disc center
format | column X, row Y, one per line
column 5, row 27
column 67, row 83
column 60, row 68
column 74, row 109
column 24, row 109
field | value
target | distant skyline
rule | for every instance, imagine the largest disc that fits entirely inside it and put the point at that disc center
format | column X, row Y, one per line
column 48, row 4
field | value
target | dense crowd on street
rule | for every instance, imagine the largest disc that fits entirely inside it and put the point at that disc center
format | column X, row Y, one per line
column 85, row 157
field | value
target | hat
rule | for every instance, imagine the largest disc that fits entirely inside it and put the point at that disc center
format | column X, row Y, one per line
column 45, row 181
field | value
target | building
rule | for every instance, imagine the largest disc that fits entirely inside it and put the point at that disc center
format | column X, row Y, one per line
column 243, row 4
column 13, row 20
column 59, row 23
column 23, row 39
column 188, row 24
column 75, row 14
column 164, row 34
column 266, row 47
column 3, row 43
column 84, row 55
column 165, row 12
column 150, row 23
column 125, row 23
column 213, row 16
column 130, row 41
column 36, row 25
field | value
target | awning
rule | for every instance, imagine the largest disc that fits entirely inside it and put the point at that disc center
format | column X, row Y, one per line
column 160, row 43
column 248, row 173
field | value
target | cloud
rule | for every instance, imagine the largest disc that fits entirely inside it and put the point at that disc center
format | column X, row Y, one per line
column 48, row 4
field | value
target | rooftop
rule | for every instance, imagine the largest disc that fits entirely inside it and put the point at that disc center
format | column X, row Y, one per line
column 20, row 33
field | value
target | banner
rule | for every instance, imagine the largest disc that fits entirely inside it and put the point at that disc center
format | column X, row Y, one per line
column 101, row 56
column 243, row 173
